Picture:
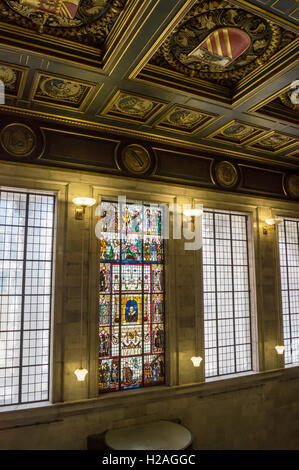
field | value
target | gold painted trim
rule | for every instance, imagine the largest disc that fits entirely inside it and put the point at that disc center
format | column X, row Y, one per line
column 30, row 54
column 107, row 113
column 178, row 75
column 271, row 61
column 270, row 98
column 108, row 128
column 186, row 7
column 250, row 95
column 128, row 45
column 214, row 135
column 294, row 11
column 89, row 136
column 209, row 118
column 52, row 102
column 294, row 154
column 58, row 41
column 177, row 152
column 94, row 98
column 267, row 13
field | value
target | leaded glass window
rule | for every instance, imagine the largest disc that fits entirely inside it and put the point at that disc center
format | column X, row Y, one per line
column 131, row 296
column 227, row 312
column 288, row 233
column 26, row 264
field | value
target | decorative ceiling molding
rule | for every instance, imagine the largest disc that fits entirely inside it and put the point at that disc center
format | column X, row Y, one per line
column 220, row 43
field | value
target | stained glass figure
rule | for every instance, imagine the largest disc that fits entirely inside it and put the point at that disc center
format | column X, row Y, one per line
column 131, row 296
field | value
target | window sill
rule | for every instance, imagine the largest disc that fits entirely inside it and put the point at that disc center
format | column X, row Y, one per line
column 59, row 411
column 24, row 406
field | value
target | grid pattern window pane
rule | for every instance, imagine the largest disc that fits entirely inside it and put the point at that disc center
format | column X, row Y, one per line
column 227, row 316
column 26, row 261
column 288, row 235
column 131, row 297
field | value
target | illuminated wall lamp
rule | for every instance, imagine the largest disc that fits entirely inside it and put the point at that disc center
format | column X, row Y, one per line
column 82, row 203
column 196, row 360
column 81, row 374
column 271, row 224
column 192, row 213
column 279, row 349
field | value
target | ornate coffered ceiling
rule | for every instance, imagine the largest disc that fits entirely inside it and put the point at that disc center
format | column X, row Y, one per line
column 216, row 77
column 220, row 43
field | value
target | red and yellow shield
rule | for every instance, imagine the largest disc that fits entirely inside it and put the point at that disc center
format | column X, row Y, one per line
column 62, row 8
column 223, row 43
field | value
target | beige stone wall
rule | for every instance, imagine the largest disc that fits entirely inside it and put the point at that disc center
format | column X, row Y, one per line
column 253, row 411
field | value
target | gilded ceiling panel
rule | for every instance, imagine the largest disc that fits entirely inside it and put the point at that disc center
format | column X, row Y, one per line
column 237, row 132
column 132, row 107
column 183, row 119
column 273, row 142
column 220, row 43
column 60, row 91
column 82, row 21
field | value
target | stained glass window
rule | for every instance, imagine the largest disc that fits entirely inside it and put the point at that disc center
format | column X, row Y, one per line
column 26, row 264
column 227, row 312
column 131, row 296
column 288, row 233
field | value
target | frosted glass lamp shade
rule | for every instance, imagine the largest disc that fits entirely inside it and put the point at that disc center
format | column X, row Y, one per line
column 192, row 212
column 84, row 201
column 81, row 374
column 274, row 221
column 196, row 361
column 279, row 349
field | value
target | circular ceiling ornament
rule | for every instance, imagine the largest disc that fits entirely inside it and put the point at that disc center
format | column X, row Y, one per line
column 292, row 186
column 60, row 13
column 18, row 140
column 226, row 174
column 220, row 42
column 136, row 159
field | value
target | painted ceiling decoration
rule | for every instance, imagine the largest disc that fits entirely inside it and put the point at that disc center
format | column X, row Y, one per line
column 131, row 106
column 83, row 21
column 60, row 91
column 215, row 78
column 274, row 141
column 217, row 41
column 184, row 119
column 237, row 132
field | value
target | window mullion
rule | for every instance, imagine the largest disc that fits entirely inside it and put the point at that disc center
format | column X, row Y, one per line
column 23, row 298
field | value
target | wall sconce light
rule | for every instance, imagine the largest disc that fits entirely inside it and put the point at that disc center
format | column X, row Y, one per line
column 81, row 374
column 279, row 349
column 82, row 203
column 271, row 224
column 196, row 361
column 192, row 213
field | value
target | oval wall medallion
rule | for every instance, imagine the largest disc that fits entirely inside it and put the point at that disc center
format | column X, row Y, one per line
column 226, row 174
column 136, row 159
column 292, row 186
column 18, row 140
